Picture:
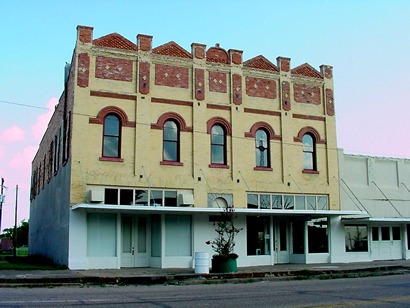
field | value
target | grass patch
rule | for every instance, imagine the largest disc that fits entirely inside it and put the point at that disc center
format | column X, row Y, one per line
column 9, row 262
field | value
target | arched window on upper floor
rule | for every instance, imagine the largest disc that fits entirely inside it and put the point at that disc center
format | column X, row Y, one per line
column 309, row 152
column 171, row 143
column 262, row 148
column 218, row 145
column 112, row 136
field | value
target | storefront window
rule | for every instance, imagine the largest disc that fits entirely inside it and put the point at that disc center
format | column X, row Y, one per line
column 356, row 238
column 317, row 235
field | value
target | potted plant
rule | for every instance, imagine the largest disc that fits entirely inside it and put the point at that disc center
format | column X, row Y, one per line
column 224, row 259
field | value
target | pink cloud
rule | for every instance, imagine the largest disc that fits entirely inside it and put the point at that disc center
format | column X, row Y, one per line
column 42, row 120
column 22, row 160
column 12, row 134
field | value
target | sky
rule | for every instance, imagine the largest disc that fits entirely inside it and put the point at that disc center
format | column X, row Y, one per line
column 366, row 42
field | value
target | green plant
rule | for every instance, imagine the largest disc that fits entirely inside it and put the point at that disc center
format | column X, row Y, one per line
column 225, row 229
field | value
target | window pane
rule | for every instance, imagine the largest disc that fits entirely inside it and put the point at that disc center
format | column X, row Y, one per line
column 142, row 234
column 218, row 135
column 126, row 196
column 170, row 151
column 288, row 202
column 126, row 234
column 170, row 131
column 156, row 236
column 101, row 235
column 308, row 160
column 317, row 236
column 265, row 201
column 277, row 201
column 396, row 233
column 170, row 198
column 252, row 201
column 298, row 235
column 385, row 233
column 375, row 233
column 322, row 203
column 111, row 196
column 307, row 141
column 283, row 245
column 261, row 157
column 178, row 241
column 141, row 197
column 258, row 235
column 218, row 156
column 300, row 202
column 156, row 198
column 111, row 146
column 112, row 126
column 356, row 238
column 311, row 202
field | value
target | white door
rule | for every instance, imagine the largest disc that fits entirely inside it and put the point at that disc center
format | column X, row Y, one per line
column 281, row 241
column 134, row 242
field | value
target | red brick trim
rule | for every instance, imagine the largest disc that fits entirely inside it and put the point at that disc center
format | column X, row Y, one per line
column 170, row 163
column 112, row 159
column 220, row 166
column 113, row 95
column 171, row 101
column 264, row 125
column 311, row 130
column 171, row 116
column 264, row 112
column 218, row 107
column 310, row 171
column 219, row 120
column 263, row 169
column 308, row 117
column 112, row 109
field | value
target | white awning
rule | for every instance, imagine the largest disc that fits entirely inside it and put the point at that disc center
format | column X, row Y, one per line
column 90, row 207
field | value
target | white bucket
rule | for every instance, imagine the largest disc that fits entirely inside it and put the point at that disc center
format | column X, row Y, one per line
column 201, row 263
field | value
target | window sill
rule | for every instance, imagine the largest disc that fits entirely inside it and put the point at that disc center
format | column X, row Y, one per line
column 113, row 159
column 221, row 166
column 310, row 171
column 263, row 169
column 171, row 163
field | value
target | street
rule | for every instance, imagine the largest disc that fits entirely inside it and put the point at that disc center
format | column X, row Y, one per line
column 381, row 291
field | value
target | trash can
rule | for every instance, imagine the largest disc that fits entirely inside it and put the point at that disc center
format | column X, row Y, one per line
column 201, row 263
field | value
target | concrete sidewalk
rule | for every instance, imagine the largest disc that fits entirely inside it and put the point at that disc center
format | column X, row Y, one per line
column 16, row 278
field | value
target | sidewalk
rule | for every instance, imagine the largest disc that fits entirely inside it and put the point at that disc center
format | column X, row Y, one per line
column 39, row 278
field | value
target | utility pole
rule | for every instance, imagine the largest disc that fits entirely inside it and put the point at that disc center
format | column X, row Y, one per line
column 1, row 199
column 15, row 224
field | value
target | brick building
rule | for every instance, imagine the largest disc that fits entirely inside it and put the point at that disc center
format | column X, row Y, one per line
column 148, row 144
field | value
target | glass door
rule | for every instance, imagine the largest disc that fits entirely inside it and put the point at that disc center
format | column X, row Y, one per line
column 281, row 241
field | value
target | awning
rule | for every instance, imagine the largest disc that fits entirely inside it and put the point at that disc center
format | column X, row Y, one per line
column 135, row 209
column 376, row 219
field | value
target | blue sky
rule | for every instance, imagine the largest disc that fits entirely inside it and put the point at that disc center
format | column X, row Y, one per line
column 366, row 42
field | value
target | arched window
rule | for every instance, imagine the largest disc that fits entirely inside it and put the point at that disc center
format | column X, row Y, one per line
column 171, row 141
column 218, row 145
column 309, row 152
column 262, row 149
column 112, row 136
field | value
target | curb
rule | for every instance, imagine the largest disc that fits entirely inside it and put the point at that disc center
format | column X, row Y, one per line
column 240, row 277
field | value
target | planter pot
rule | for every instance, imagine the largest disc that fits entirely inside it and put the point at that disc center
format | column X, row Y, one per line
column 222, row 265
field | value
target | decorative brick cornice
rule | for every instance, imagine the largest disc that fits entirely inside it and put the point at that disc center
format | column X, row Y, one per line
column 171, row 101
column 218, row 107
column 308, row 117
column 113, row 95
column 264, row 112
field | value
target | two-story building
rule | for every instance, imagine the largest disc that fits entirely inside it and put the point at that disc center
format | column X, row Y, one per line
column 148, row 144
